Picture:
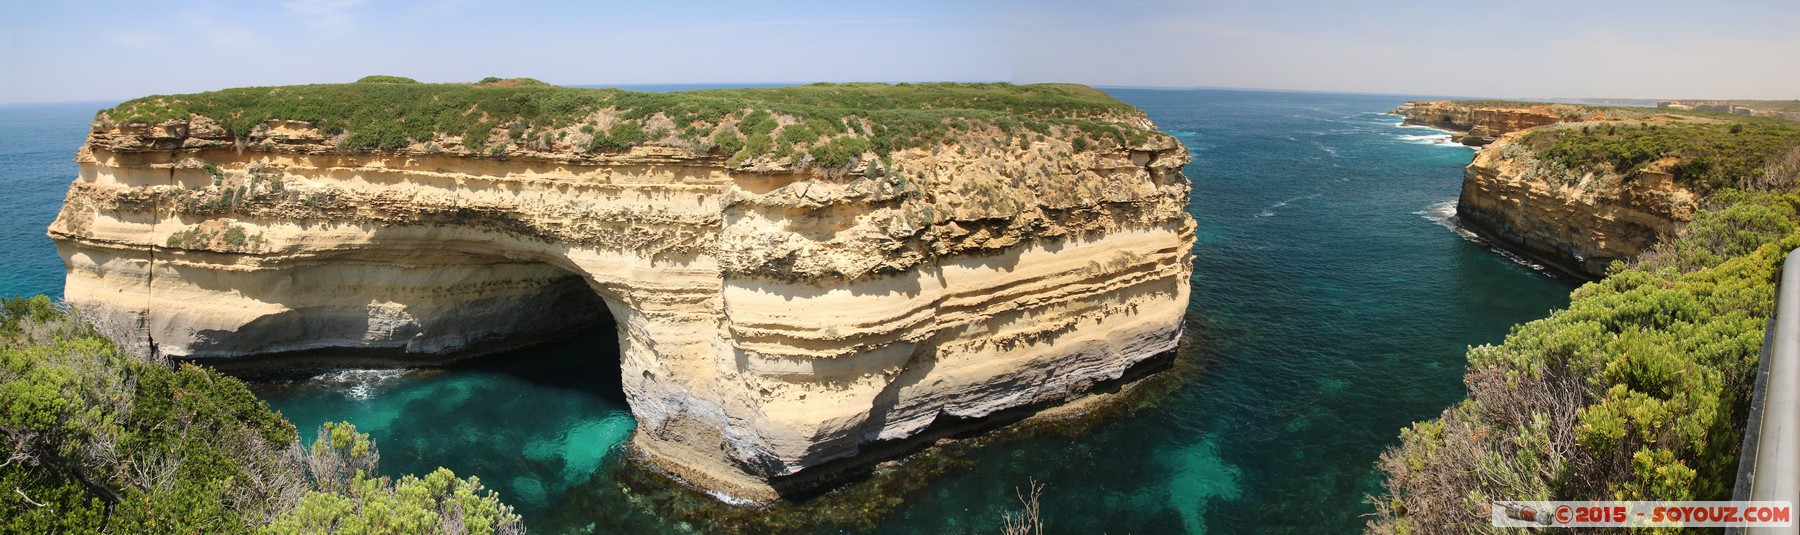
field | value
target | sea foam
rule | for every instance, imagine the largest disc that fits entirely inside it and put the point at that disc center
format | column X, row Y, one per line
column 1443, row 214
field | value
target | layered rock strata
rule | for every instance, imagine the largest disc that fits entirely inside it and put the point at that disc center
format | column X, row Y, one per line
column 1476, row 126
column 778, row 322
column 1577, row 222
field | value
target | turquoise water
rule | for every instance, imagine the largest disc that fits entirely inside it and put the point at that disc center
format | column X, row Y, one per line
column 1331, row 307
column 37, row 161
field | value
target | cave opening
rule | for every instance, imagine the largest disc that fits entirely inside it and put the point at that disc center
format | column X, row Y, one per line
column 491, row 315
column 540, row 421
column 582, row 356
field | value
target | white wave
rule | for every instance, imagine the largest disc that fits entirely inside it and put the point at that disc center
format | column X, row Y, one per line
column 1520, row 260
column 1444, row 215
column 359, row 383
column 731, row 500
column 1438, row 140
column 1270, row 211
column 1404, row 125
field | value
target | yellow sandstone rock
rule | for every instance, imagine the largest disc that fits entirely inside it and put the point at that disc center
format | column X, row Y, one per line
column 1578, row 222
column 776, row 323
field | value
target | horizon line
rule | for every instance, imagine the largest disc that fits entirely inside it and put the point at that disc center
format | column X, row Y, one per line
column 629, row 86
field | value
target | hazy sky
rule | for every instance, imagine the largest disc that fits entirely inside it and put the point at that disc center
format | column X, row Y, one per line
column 62, row 51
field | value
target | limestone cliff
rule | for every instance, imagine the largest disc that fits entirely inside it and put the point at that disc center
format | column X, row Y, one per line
column 1476, row 125
column 1577, row 219
column 863, row 265
column 1578, row 222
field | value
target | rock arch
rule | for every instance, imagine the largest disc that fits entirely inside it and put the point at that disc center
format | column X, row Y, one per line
column 776, row 325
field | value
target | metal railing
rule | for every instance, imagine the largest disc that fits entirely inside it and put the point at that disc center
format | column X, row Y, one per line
column 1769, row 468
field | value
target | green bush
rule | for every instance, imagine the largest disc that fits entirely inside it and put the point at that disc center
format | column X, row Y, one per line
column 234, row 236
column 758, row 122
column 352, row 500
column 1637, row 391
column 621, row 137
column 99, row 438
column 840, row 152
column 728, row 142
column 1710, row 156
column 755, row 145
column 411, row 505
column 101, row 441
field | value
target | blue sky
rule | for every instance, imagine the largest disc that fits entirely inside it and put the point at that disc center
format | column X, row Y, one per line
column 62, row 51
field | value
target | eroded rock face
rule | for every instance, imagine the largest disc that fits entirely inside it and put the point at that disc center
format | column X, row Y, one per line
column 772, row 320
column 1578, row 222
column 1479, row 125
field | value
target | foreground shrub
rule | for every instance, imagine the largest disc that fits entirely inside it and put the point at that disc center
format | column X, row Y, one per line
column 1637, row 391
column 94, row 440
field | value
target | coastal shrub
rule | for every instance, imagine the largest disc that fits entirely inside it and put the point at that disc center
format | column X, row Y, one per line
column 839, row 152
column 102, row 441
column 392, row 115
column 1028, row 521
column 350, row 498
column 1637, row 391
column 437, row 503
column 96, row 440
column 234, row 236
column 1709, row 156
column 802, row 133
column 728, row 142
column 754, row 145
column 619, row 138
column 757, row 123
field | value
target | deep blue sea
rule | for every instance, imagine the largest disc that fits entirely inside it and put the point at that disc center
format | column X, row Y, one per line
column 1332, row 305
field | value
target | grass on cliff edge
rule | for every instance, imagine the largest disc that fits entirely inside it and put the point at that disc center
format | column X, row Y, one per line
column 1710, row 156
column 1713, row 151
column 829, row 122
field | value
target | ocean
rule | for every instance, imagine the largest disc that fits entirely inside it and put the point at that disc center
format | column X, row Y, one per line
column 1333, row 300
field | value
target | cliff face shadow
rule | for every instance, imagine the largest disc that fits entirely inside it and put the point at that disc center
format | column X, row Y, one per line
column 585, row 360
column 579, row 350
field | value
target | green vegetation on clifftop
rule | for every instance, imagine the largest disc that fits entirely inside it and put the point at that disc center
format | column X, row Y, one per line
column 831, row 123
column 1708, row 155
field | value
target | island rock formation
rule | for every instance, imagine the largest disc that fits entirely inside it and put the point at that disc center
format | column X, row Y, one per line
column 789, row 305
column 1577, row 221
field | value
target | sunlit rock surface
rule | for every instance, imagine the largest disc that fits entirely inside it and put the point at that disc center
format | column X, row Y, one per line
column 774, row 316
